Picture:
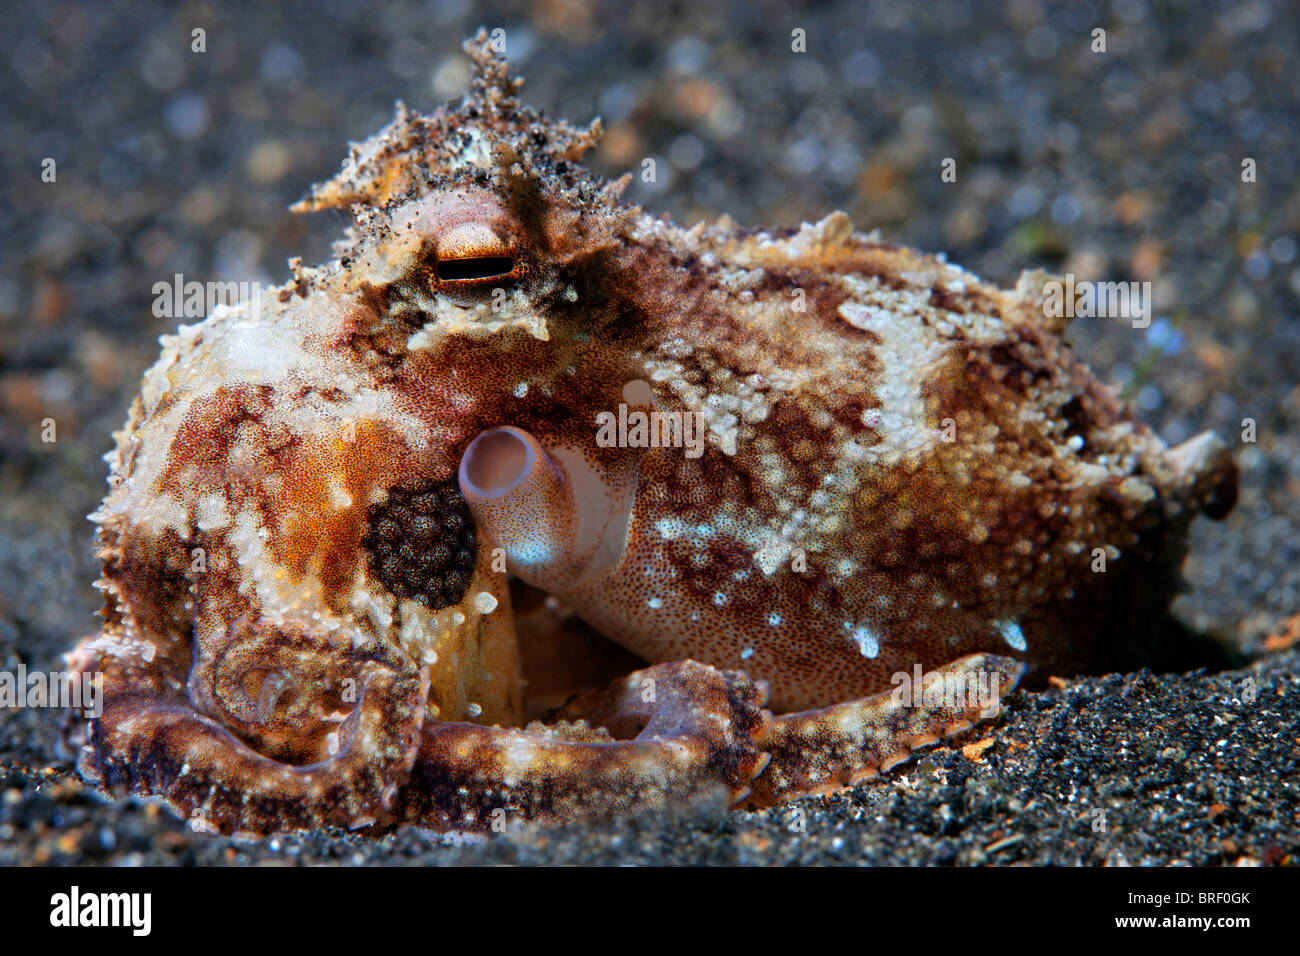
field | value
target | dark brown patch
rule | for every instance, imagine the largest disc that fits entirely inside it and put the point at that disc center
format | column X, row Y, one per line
column 201, row 449
column 946, row 300
column 421, row 543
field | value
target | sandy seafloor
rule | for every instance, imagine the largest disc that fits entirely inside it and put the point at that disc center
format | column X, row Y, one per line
column 1123, row 165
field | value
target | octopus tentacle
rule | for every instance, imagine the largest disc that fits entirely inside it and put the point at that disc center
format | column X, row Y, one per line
column 164, row 747
column 693, row 730
column 818, row 751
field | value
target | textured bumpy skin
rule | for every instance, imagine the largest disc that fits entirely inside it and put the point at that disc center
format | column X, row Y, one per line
column 320, row 496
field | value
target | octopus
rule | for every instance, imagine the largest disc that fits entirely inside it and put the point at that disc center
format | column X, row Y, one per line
column 532, row 506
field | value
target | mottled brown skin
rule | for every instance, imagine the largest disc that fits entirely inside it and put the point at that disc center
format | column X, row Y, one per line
column 319, row 497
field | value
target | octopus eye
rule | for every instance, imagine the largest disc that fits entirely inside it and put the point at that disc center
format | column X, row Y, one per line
column 471, row 252
column 475, row 268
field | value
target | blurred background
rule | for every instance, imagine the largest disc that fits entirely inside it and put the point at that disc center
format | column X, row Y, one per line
column 1116, row 165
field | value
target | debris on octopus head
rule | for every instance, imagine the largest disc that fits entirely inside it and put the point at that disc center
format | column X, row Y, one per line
column 481, row 189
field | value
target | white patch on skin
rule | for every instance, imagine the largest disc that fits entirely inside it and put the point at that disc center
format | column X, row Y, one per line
column 850, row 722
column 1012, row 634
column 257, row 351
column 484, row 602
column 259, row 572
column 455, row 319
column 907, row 349
column 339, row 496
column 835, row 229
column 723, row 525
column 476, row 151
column 725, row 405
column 371, row 405
column 213, row 515
column 519, row 755
column 737, row 280
column 772, row 556
column 868, row 641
